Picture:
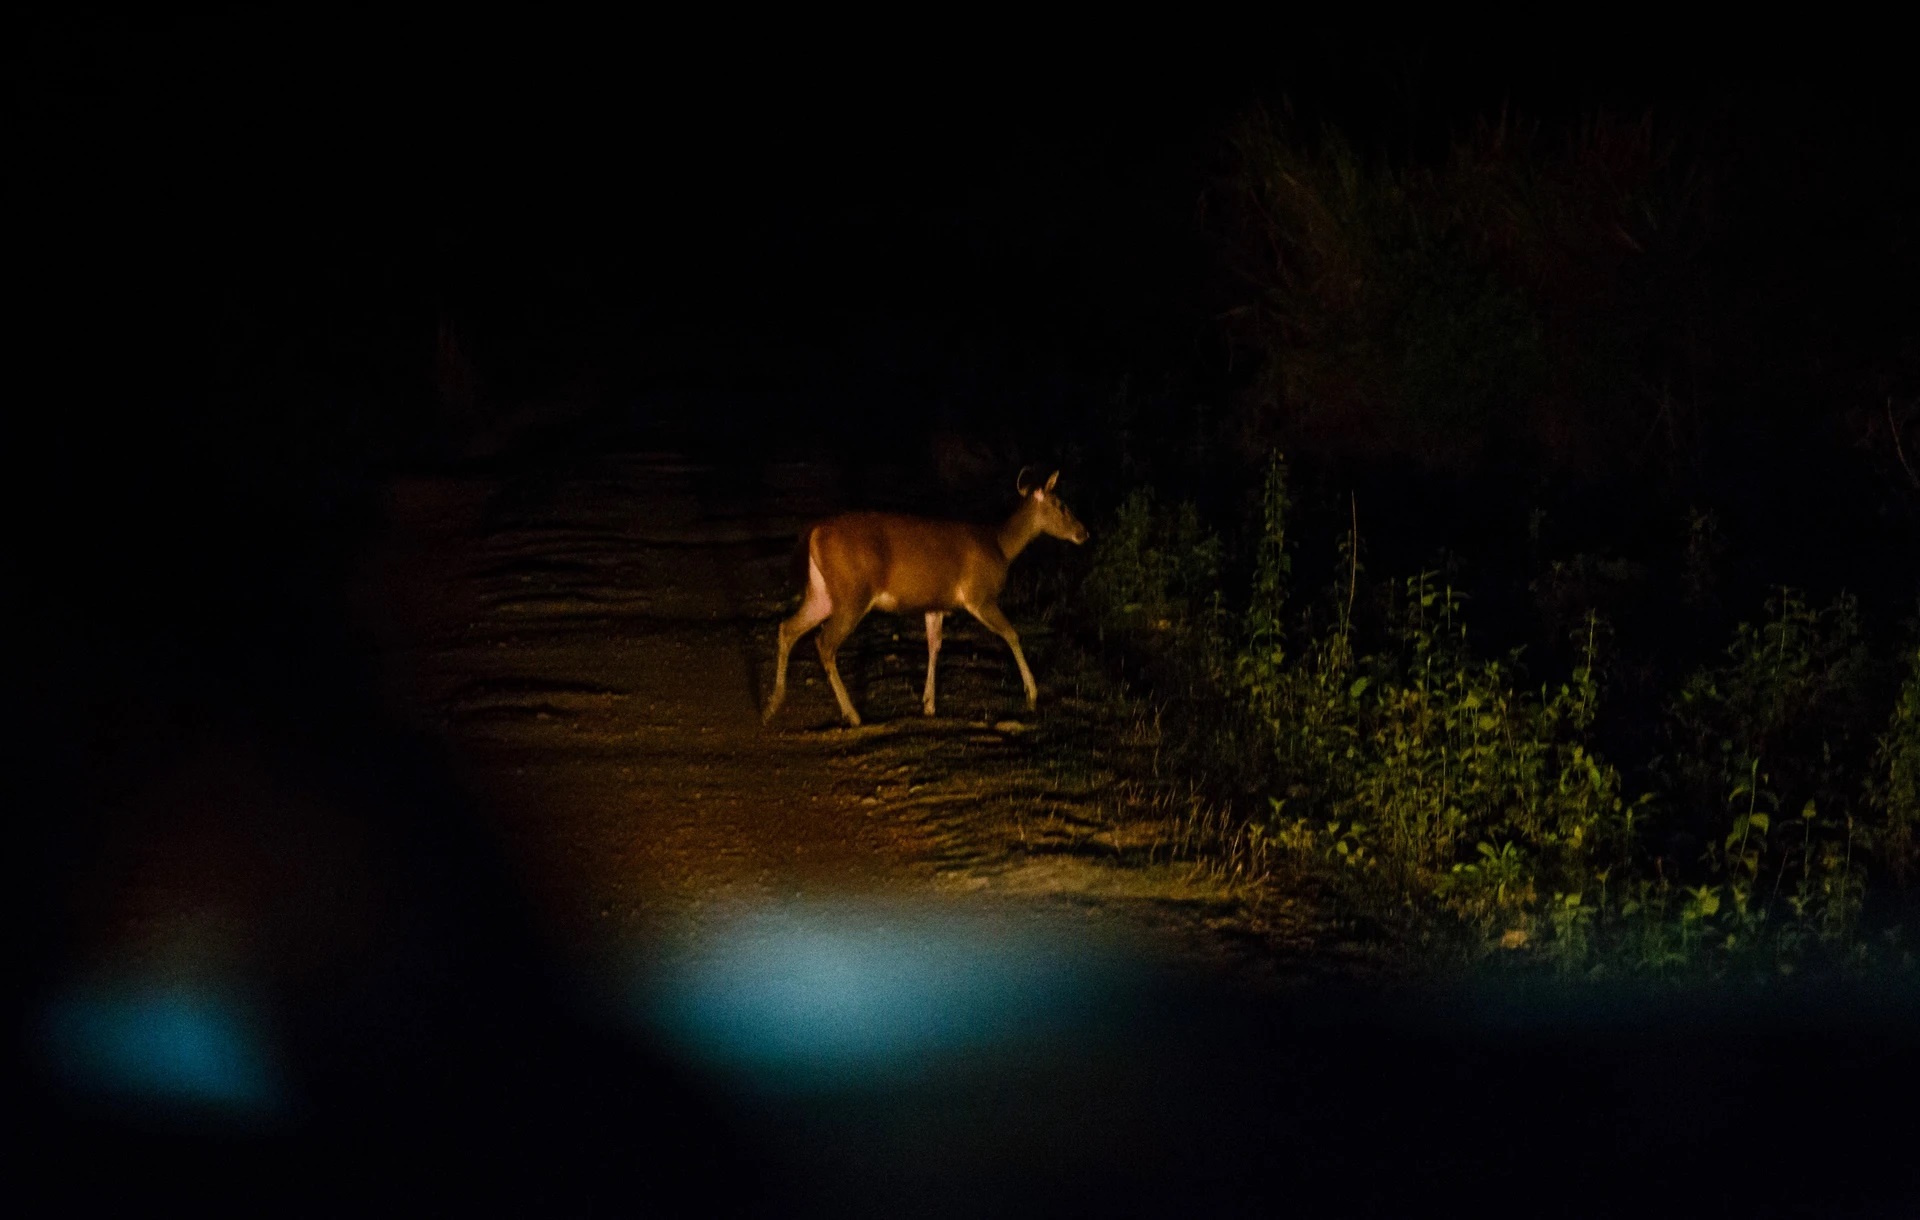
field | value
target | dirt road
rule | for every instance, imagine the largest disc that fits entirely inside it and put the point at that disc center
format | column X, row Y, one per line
column 594, row 643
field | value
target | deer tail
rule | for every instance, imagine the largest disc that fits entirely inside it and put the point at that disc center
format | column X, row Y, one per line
column 802, row 555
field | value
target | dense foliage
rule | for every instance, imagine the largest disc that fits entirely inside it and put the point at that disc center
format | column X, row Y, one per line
column 1610, row 738
column 1439, row 790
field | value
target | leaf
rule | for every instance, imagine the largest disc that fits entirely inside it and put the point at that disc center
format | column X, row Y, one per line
column 1760, row 822
column 1359, row 686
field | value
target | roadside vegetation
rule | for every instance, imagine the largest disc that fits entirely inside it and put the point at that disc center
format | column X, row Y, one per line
column 1602, row 735
column 1468, row 807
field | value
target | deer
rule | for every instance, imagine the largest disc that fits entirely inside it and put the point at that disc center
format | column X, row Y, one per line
column 863, row 561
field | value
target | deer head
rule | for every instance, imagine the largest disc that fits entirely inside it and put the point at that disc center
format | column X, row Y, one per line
column 1050, row 514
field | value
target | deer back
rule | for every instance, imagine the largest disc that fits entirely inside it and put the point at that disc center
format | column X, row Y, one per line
column 899, row 562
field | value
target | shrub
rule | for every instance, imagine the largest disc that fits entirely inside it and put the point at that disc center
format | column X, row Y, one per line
column 1156, row 569
column 1433, row 787
column 1425, row 775
column 1894, row 789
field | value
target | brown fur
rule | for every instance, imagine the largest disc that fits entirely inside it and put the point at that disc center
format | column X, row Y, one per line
column 859, row 562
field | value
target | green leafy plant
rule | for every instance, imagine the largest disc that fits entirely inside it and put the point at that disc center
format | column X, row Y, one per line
column 1156, row 569
column 1894, row 789
column 1434, row 789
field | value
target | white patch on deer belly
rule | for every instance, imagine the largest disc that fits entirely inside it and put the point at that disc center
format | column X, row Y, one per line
column 885, row 601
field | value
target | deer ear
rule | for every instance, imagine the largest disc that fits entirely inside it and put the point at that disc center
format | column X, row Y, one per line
column 1020, row 481
column 1052, row 479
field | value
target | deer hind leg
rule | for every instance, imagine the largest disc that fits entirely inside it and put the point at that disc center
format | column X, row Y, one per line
column 993, row 620
column 934, row 620
column 839, row 626
column 814, row 609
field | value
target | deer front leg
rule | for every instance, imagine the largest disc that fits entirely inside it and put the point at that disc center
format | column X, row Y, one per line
column 934, row 620
column 993, row 620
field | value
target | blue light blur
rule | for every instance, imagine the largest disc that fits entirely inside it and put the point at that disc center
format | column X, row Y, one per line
column 852, row 996
column 170, row 1048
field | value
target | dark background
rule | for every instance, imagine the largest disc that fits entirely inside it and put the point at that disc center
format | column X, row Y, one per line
column 237, row 238
column 228, row 206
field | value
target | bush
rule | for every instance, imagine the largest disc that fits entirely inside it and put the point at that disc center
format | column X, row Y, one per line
column 1434, row 788
column 1155, row 570
column 1895, row 787
column 1787, row 702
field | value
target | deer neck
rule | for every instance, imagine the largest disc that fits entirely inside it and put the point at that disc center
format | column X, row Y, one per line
column 1021, row 528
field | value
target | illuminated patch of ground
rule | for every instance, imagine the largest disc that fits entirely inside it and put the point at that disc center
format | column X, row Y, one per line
column 594, row 646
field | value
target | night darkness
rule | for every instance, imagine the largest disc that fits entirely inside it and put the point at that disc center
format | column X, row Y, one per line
column 412, row 423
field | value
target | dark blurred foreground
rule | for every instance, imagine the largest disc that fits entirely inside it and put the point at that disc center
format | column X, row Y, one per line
column 986, row 1076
